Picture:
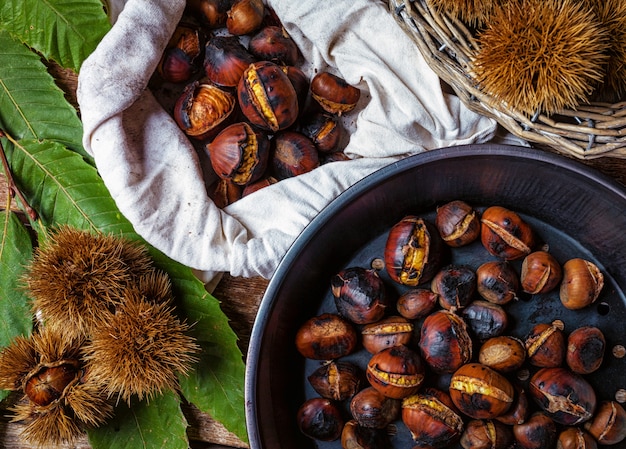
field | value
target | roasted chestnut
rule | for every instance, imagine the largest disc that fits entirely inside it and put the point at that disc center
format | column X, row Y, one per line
column 370, row 408
column 432, row 418
column 323, row 129
column 540, row 273
column 575, row 438
column 333, row 93
column 273, row 43
column 497, row 281
column 267, row 97
column 608, row 426
column 265, row 181
column 480, row 392
column 503, row 353
column 486, row 434
column 212, row 13
column 455, row 285
column 485, row 319
column 359, row 294
column 245, row 17
column 413, row 251
column 581, row 285
column 294, row 154
column 325, row 337
column 356, row 436
column 239, row 153
column 224, row 192
column 504, row 234
column 585, row 349
column 396, row 372
column 337, row 380
column 225, row 60
column 457, row 223
column 545, row 344
column 300, row 83
column 538, row 432
column 445, row 342
column 385, row 333
column 178, row 63
column 203, row 110
column 564, row 396
column 417, row 303
column 518, row 412
column 320, row 419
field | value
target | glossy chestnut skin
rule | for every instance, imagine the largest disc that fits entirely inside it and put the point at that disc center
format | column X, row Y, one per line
column 293, row 154
column 575, row 438
column 360, row 294
column 414, row 251
column 546, row 345
column 608, row 426
column 504, row 234
column 320, row 419
column 503, row 353
column 178, row 63
column 267, row 97
column 564, row 396
column 333, row 93
column 203, row 110
column 480, row 392
column 458, row 223
column 455, row 285
column 417, row 303
column 50, row 382
column 224, row 192
column 519, row 410
column 325, row 337
column 273, row 43
column 323, row 129
column 252, row 187
column 432, row 418
column 370, row 408
column 385, row 333
column 538, row 432
column 497, row 282
column 225, row 60
column 581, row 285
column 485, row 319
column 356, row 436
column 585, row 349
column 337, row 380
column 396, row 372
column 540, row 273
column 300, row 83
column 239, row 153
column 212, row 13
column 245, row 17
column 445, row 343
column 486, row 434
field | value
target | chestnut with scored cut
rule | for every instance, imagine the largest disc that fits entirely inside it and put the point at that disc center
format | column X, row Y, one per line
column 323, row 129
column 608, row 426
column 417, row 303
column 497, row 282
column 396, row 372
column 486, row 434
column 585, row 349
column 370, row 408
column 320, row 419
column 445, row 343
column 337, row 380
column 385, row 333
column 178, row 63
column 581, row 285
column 458, row 223
column 267, row 97
column 540, row 273
column 224, row 192
column 360, row 294
column 575, row 438
column 414, row 251
column 455, row 285
column 504, row 234
column 545, row 345
column 325, row 337
column 225, row 60
column 333, row 93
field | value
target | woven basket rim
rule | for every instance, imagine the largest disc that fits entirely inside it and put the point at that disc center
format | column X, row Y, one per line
column 591, row 131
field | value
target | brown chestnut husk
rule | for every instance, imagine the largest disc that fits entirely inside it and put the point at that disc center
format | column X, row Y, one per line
column 293, row 154
column 497, row 282
column 581, row 285
column 445, row 343
column 337, row 380
column 458, row 223
column 432, row 418
column 360, row 294
column 486, row 434
column 538, row 432
column 608, row 426
column 545, row 344
column 245, row 17
column 267, row 97
column 370, row 408
column 455, row 285
column 273, row 43
column 540, row 273
column 414, row 251
column 417, row 303
column 333, row 93
column 396, row 372
column 503, row 353
column 485, row 319
column 564, row 396
column 325, row 337
column 225, row 60
column 585, row 349
column 385, row 333
column 505, row 234
column 320, row 419
column 239, row 153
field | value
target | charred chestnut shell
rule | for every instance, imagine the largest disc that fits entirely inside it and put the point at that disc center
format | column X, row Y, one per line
column 445, row 342
column 360, row 294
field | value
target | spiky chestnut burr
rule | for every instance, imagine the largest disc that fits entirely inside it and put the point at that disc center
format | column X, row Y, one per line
column 471, row 12
column 541, row 55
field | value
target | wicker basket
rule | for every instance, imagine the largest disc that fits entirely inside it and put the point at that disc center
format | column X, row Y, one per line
column 593, row 130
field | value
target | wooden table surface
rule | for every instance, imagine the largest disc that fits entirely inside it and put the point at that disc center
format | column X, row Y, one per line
column 240, row 298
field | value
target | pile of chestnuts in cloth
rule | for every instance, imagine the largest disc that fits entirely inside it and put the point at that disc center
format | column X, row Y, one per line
column 429, row 346
column 233, row 80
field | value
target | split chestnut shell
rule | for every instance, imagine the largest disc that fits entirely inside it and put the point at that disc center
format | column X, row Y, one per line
column 203, row 110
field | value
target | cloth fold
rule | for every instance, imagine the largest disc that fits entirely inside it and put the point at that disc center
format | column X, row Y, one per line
column 154, row 173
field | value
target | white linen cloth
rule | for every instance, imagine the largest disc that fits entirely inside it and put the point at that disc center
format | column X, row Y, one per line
column 153, row 171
